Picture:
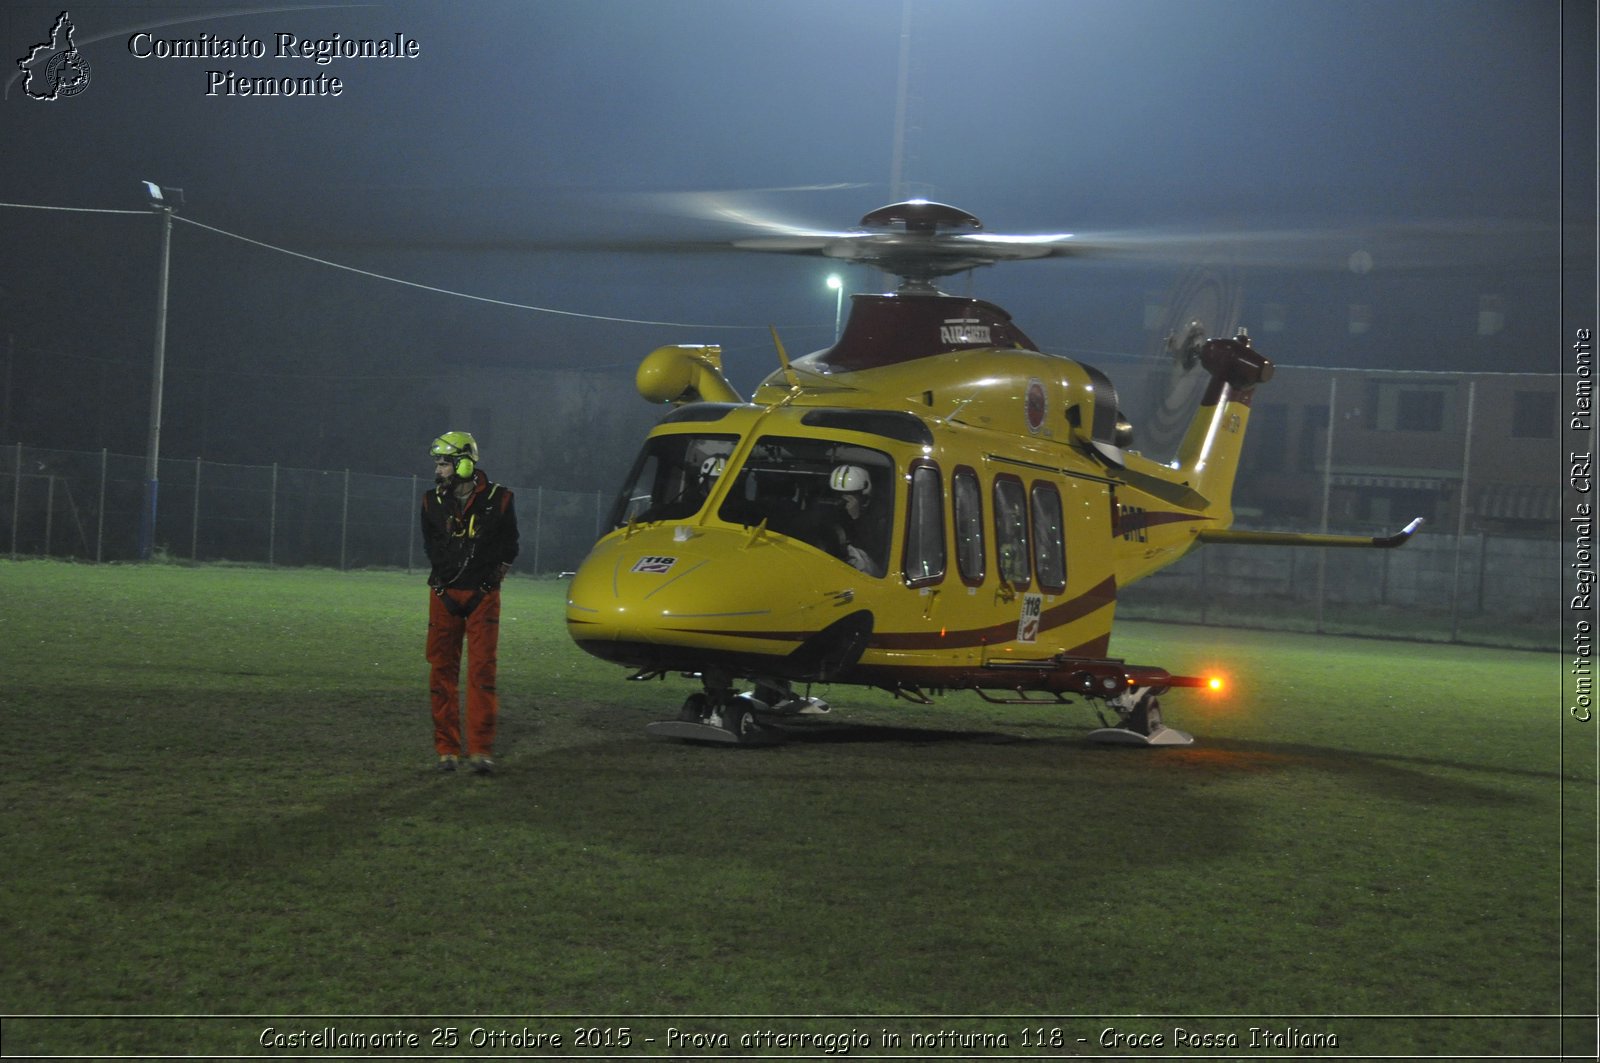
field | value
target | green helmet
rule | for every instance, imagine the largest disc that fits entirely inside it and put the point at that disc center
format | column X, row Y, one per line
column 461, row 447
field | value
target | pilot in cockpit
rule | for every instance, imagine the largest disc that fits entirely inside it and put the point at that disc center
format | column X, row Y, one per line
column 850, row 539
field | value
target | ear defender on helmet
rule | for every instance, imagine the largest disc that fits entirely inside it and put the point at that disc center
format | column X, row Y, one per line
column 461, row 447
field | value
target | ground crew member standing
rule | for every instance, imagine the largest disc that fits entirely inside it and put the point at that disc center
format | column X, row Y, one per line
column 469, row 530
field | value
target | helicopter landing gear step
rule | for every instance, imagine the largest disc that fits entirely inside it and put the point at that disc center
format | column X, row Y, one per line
column 725, row 721
column 1140, row 723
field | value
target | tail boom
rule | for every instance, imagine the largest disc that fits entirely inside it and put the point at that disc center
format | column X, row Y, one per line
column 1209, row 453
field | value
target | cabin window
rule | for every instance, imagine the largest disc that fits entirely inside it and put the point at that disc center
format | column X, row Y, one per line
column 967, row 500
column 1049, row 543
column 1409, row 407
column 1011, row 531
column 672, row 478
column 837, row 497
column 925, row 526
column 1533, row 415
column 1491, row 315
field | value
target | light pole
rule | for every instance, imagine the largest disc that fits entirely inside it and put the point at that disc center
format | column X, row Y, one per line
column 836, row 282
column 164, row 201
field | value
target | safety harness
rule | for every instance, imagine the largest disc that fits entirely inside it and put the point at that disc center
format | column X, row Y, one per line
column 464, row 528
column 462, row 609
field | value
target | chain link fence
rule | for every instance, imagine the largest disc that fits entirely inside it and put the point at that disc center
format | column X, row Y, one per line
column 1481, row 588
column 1476, row 588
column 72, row 504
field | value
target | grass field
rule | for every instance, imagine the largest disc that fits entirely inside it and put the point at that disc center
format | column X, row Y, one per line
column 218, row 799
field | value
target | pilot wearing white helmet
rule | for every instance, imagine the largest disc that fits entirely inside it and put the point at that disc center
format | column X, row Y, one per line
column 853, row 485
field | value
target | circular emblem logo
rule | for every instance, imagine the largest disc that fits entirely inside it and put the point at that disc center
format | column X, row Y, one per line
column 67, row 74
column 1035, row 404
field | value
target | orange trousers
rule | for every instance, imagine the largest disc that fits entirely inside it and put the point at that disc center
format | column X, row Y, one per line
column 445, row 631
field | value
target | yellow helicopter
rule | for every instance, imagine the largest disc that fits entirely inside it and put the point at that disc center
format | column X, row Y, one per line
column 930, row 504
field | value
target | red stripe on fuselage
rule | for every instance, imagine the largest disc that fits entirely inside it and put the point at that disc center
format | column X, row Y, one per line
column 1097, row 597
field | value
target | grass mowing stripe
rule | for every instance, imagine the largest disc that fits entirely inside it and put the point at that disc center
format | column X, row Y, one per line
column 218, row 798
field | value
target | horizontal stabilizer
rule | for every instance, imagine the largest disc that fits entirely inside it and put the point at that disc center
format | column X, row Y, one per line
column 1251, row 538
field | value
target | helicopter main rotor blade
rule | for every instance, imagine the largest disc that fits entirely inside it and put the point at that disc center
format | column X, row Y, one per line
column 1423, row 244
column 921, row 240
column 1416, row 245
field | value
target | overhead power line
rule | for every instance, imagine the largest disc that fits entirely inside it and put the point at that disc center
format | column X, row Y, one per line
column 447, row 291
column 71, row 210
column 392, row 280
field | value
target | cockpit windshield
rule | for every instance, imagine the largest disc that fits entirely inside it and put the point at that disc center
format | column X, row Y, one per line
column 838, row 497
column 672, row 478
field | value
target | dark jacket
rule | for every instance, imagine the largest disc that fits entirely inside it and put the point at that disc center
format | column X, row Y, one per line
column 467, row 544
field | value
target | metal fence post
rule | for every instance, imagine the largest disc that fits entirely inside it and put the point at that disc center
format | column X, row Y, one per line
column 272, row 519
column 1327, row 497
column 16, row 500
column 49, row 513
column 100, row 511
column 411, row 531
column 344, row 520
column 1461, row 514
column 1483, row 569
column 538, row 524
column 194, row 519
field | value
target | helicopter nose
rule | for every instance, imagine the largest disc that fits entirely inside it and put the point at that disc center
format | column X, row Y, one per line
column 662, row 597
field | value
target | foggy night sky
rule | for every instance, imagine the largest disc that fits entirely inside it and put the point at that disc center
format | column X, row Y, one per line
column 522, row 121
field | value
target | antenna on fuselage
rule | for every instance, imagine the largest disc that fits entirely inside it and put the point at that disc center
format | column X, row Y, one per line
column 783, row 359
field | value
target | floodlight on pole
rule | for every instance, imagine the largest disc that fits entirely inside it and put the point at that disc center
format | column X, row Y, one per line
column 164, row 201
column 836, row 282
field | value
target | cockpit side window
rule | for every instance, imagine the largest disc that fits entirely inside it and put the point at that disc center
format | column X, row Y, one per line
column 672, row 478
column 838, row 497
column 1049, row 540
column 1011, row 531
column 925, row 546
column 967, row 499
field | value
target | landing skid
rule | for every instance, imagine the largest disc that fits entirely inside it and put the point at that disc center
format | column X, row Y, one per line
column 723, row 717
column 1140, row 722
column 695, row 731
column 1159, row 736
